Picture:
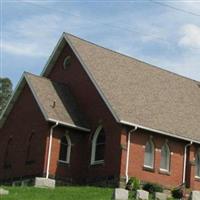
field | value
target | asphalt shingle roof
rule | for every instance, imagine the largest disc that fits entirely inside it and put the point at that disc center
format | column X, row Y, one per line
column 56, row 100
column 141, row 93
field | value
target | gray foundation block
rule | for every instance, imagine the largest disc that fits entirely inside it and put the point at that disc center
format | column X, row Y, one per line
column 161, row 196
column 195, row 195
column 120, row 194
column 44, row 182
column 142, row 195
column 3, row 192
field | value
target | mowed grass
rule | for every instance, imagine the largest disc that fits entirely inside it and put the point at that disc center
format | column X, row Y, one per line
column 59, row 193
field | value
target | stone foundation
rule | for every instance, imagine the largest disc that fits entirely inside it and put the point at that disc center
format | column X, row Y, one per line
column 44, row 182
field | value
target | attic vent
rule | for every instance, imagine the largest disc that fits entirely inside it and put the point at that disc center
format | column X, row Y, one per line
column 53, row 104
column 67, row 62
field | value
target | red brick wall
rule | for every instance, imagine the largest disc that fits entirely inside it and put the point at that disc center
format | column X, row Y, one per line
column 136, row 162
column 123, row 145
column 72, row 172
column 79, row 169
column 192, row 181
column 24, row 119
column 95, row 111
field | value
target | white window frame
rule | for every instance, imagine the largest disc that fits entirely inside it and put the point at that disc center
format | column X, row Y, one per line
column 94, row 141
column 169, row 155
column 69, row 145
column 153, row 163
column 198, row 152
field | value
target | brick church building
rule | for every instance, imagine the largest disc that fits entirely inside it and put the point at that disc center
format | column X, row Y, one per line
column 96, row 115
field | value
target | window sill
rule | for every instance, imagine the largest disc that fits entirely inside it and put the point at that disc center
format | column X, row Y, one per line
column 197, row 178
column 164, row 172
column 192, row 163
column 61, row 162
column 98, row 162
column 149, row 169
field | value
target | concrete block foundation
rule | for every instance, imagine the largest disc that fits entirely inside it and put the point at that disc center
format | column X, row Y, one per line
column 41, row 182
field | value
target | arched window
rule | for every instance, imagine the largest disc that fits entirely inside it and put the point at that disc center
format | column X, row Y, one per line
column 65, row 149
column 7, row 158
column 197, row 163
column 165, row 158
column 67, row 62
column 149, row 154
column 29, row 155
column 98, row 146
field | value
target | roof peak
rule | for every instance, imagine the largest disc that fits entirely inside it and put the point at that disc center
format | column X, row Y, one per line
column 66, row 34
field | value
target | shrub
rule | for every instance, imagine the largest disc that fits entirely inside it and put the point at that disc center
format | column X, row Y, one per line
column 177, row 193
column 152, row 188
column 133, row 184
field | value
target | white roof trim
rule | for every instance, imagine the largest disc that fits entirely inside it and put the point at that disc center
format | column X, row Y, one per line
column 69, row 125
column 158, row 131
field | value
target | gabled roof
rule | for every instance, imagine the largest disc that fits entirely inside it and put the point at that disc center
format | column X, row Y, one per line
column 54, row 99
column 138, row 93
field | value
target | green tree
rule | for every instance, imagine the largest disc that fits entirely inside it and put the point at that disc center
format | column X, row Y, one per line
column 5, row 92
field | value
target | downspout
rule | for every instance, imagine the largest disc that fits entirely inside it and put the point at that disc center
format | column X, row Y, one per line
column 128, row 151
column 49, row 150
column 185, row 161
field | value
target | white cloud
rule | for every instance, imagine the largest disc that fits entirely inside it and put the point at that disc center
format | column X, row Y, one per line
column 150, row 36
column 188, row 5
column 190, row 36
column 22, row 49
column 30, row 36
column 37, row 2
column 36, row 35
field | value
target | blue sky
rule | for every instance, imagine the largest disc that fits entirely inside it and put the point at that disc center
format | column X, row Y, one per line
column 146, row 30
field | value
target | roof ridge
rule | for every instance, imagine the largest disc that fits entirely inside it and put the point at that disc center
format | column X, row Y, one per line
column 43, row 77
column 150, row 65
column 28, row 73
column 58, row 88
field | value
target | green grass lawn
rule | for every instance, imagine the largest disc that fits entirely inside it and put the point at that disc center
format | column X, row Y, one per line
column 60, row 193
